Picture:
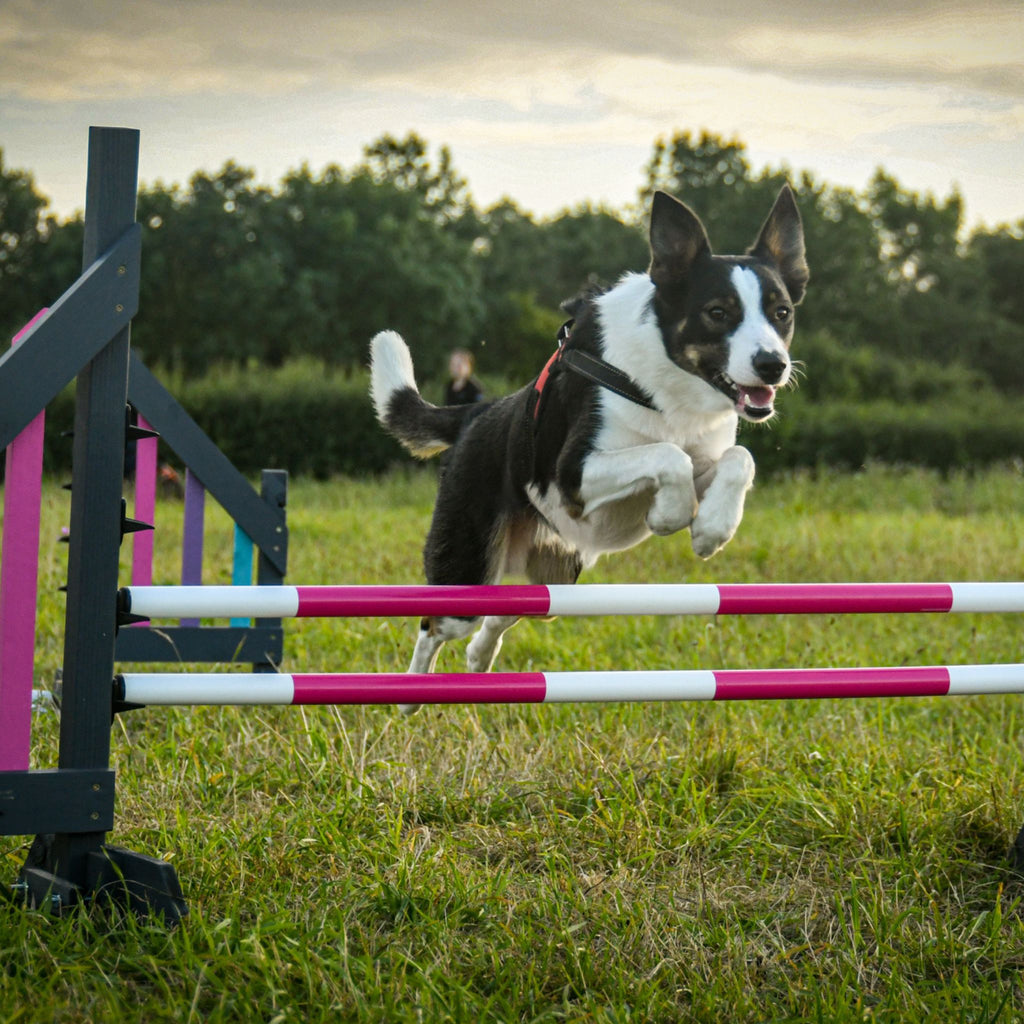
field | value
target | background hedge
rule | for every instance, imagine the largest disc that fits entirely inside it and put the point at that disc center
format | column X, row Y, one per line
column 849, row 436
column 318, row 423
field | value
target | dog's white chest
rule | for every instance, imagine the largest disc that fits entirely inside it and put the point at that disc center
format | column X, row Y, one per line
column 642, row 478
column 614, row 526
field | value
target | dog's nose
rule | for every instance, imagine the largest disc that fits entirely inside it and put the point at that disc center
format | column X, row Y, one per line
column 769, row 366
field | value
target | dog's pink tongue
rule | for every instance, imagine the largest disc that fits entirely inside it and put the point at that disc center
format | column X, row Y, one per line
column 756, row 398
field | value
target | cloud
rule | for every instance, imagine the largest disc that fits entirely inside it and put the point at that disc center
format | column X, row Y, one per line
column 60, row 50
column 534, row 98
column 972, row 48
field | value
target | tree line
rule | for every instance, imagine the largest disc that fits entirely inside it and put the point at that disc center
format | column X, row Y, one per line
column 237, row 272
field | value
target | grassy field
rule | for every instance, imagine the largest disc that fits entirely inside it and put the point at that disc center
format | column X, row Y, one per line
column 782, row 861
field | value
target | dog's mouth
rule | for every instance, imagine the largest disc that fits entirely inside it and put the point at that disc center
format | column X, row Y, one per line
column 752, row 401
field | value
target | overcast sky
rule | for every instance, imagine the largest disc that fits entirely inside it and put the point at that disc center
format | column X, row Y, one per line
column 551, row 102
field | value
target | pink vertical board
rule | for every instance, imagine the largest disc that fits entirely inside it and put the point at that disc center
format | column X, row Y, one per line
column 19, row 568
column 145, row 507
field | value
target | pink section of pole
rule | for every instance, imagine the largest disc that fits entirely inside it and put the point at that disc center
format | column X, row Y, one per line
column 413, row 688
column 19, row 569
column 383, row 601
column 782, row 684
column 145, row 507
column 837, row 598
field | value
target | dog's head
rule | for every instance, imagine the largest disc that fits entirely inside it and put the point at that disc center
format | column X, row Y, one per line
column 728, row 320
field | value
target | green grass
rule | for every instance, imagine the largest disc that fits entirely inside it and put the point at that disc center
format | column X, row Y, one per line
column 779, row 861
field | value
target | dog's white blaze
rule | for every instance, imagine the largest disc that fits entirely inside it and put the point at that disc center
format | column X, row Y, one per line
column 615, row 526
column 754, row 333
column 694, row 415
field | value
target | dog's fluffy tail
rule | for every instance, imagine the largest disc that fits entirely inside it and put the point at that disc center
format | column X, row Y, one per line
column 423, row 428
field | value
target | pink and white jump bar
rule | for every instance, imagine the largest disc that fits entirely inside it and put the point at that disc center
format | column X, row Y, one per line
column 561, row 687
column 586, row 599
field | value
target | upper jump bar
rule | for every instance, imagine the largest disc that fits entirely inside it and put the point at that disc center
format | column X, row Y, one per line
column 588, row 599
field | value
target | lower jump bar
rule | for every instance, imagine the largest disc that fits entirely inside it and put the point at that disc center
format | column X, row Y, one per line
column 560, row 687
column 587, row 599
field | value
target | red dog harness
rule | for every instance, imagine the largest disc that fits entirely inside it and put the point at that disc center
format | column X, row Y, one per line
column 588, row 366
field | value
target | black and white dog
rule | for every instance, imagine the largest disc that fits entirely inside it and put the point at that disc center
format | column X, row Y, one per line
column 629, row 430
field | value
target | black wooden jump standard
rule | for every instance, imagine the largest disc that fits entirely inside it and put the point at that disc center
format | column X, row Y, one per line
column 261, row 517
column 71, row 808
column 86, row 334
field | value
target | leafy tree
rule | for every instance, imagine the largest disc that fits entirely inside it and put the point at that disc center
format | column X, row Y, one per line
column 314, row 269
column 530, row 269
column 405, row 164
column 849, row 296
column 21, row 207
column 211, row 292
column 685, row 165
column 587, row 247
column 39, row 258
column 238, row 272
column 713, row 176
column 515, row 332
column 1000, row 255
column 991, row 285
column 953, row 306
column 917, row 235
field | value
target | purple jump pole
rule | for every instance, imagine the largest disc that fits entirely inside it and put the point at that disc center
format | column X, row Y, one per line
column 569, row 687
column 192, row 538
column 19, row 569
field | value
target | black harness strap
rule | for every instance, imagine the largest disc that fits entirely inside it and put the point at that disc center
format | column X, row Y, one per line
column 608, row 376
column 590, row 367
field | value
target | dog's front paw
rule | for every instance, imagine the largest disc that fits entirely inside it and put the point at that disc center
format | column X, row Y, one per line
column 670, row 515
column 663, row 526
column 706, row 544
column 710, row 533
column 721, row 509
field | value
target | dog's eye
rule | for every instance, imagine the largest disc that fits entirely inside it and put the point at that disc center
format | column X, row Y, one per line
column 783, row 313
column 717, row 313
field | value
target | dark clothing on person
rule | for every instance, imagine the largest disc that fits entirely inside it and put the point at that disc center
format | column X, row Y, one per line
column 470, row 392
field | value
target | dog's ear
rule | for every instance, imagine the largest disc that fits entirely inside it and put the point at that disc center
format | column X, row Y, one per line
column 677, row 239
column 781, row 242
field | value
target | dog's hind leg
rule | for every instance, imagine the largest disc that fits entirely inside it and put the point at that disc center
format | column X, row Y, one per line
column 433, row 635
column 546, row 560
column 467, row 546
column 484, row 647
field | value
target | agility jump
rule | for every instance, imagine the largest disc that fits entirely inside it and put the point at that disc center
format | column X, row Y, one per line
column 560, row 687
column 70, row 809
